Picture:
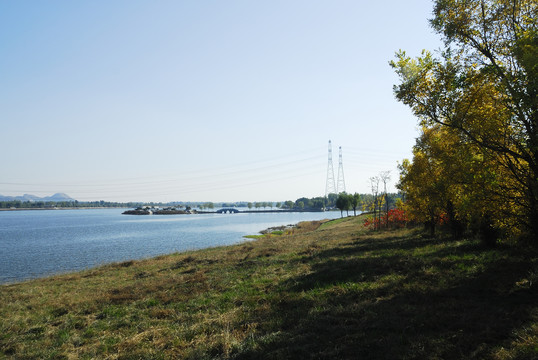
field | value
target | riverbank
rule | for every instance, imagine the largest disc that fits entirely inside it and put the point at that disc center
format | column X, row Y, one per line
column 330, row 291
column 222, row 211
column 63, row 208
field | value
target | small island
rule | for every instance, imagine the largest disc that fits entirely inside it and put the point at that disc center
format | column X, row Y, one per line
column 152, row 210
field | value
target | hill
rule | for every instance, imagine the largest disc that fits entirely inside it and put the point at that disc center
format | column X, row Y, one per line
column 336, row 291
column 58, row 197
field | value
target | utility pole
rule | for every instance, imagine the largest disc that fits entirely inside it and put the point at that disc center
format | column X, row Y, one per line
column 329, row 185
column 341, row 184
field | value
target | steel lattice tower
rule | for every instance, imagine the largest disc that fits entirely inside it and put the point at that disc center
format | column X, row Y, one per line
column 341, row 185
column 330, row 187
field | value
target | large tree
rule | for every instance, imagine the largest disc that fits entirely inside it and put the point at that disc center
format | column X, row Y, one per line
column 450, row 180
column 484, row 87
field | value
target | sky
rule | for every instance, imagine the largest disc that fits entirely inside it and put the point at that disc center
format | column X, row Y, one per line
column 203, row 100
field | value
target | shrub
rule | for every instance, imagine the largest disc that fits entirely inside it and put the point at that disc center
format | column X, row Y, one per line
column 397, row 218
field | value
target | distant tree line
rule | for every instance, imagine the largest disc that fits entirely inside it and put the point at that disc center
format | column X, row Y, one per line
column 344, row 202
column 364, row 202
column 379, row 204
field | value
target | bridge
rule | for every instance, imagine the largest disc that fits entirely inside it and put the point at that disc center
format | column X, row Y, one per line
column 228, row 211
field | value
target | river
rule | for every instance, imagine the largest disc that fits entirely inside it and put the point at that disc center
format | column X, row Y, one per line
column 36, row 243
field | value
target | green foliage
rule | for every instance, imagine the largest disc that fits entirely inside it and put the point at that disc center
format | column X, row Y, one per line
column 344, row 202
column 355, row 202
column 289, row 204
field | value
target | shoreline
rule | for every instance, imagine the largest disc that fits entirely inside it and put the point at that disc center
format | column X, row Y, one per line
column 194, row 212
column 335, row 291
column 197, row 212
column 64, row 208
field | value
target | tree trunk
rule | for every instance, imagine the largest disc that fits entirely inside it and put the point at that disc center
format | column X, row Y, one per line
column 375, row 214
column 533, row 208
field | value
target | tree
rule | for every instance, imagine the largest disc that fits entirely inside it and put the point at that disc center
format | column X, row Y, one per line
column 423, row 184
column 331, row 200
column 374, row 185
column 343, row 202
column 384, row 176
column 307, row 203
column 484, row 87
column 317, row 203
column 451, row 180
column 355, row 202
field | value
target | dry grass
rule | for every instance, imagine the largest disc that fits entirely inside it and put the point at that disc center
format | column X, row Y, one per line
column 330, row 291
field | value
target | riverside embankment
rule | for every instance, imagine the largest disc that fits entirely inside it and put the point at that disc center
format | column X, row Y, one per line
column 336, row 291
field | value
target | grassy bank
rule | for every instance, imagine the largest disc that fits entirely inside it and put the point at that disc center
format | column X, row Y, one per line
column 333, row 292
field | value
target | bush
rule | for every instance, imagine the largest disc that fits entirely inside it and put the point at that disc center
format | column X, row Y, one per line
column 397, row 218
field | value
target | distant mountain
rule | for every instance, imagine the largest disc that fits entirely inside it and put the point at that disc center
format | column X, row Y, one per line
column 7, row 198
column 29, row 197
column 58, row 197
column 32, row 198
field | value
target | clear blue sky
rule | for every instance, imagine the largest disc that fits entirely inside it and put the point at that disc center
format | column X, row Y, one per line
column 202, row 100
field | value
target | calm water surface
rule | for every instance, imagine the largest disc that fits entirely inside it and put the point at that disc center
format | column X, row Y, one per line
column 40, row 243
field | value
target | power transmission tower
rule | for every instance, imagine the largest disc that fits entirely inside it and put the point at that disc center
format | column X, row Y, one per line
column 330, row 187
column 341, row 185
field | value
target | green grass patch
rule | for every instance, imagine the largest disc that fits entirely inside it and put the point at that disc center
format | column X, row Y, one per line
column 259, row 236
column 253, row 236
column 355, row 220
column 327, row 291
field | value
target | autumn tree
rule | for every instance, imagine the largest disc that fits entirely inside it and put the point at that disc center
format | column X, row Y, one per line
column 484, row 88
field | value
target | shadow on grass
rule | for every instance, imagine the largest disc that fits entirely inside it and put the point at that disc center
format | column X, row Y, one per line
column 391, row 305
column 360, row 245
